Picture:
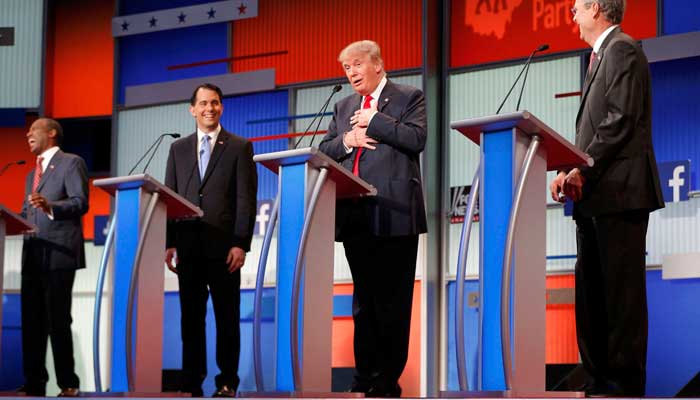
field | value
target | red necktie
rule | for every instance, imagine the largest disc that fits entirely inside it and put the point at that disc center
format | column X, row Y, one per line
column 591, row 61
column 37, row 174
column 356, row 164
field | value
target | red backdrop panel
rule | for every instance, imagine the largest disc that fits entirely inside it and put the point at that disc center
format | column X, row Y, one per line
column 485, row 31
column 314, row 31
column 560, row 345
column 80, row 59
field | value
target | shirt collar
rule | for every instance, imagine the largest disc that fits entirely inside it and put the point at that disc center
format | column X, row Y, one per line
column 47, row 156
column 212, row 135
column 599, row 42
column 377, row 92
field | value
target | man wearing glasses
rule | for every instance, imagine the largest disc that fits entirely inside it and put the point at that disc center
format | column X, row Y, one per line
column 612, row 202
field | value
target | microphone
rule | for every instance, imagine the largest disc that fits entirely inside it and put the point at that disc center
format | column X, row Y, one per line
column 153, row 153
column 526, row 66
column 336, row 88
column 323, row 109
column 155, row 144
column 522, row 88
column 8, row 165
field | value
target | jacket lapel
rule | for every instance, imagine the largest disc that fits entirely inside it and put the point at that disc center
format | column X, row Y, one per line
column 55, row 162
column 594, row 70
column 219, row 147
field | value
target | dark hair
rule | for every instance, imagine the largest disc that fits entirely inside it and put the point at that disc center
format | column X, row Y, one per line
column 52, row 124
column 208, row 86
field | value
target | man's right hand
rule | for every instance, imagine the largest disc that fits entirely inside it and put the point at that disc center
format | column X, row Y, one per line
column 357, row 137
column 556, row 188
column 170, row 257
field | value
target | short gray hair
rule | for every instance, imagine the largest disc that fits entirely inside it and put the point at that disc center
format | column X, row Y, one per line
column 613, row 10
column 364, row 47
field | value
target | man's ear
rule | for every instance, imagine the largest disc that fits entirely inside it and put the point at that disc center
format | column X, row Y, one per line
column 192, row 111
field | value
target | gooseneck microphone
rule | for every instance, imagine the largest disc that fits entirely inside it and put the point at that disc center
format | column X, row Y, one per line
column 153, row 147
column 8, row 165
column 526, row 66
column 522, row 88
column 320, row 112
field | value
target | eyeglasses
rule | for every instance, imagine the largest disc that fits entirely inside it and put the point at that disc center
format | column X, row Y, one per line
column 574, row 10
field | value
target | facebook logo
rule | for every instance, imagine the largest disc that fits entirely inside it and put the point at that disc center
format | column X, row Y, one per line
column 262, row 218
column 675, row 180
column 101, row 227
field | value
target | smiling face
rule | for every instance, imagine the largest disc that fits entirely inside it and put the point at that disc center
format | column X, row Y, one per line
column 363, row 73
column 207, row 110
column 40, row 137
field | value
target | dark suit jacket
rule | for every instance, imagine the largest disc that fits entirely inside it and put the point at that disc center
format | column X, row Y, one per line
column 65, row 185
column 393, row 168
column 614, row 127
column 227, row 195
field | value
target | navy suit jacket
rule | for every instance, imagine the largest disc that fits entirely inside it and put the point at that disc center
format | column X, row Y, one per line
column 65, row 185
column 400, row 127
column 226, row 194
column 613, row 126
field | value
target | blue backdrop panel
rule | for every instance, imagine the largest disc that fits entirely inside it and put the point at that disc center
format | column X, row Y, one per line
column 239, row 110
column 680, row 16
column 140, row 6
column 145, row 58
column 674, row 320
column 11, row 376
column 676, row 112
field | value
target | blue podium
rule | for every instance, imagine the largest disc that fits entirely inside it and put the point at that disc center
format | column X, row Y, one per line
column 516, row 151
column 309, row 184
column 138, row 228
column 10, row 224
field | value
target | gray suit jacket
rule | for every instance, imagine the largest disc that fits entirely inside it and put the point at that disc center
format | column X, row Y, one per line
column 227, row 194
column 60, row 241
column 613, row 126
column 393, row 168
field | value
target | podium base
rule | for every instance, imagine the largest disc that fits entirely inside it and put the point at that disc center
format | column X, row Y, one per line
column 510, row 394
column 301, row 395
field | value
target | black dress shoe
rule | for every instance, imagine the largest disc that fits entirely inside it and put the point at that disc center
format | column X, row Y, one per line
column 27, row 390
column 69, row 392
column 224, row 391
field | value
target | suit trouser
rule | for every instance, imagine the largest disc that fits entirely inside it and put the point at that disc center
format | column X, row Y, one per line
column 197, row 279
column 46, row 313
column 383, row 273
column 611, row 302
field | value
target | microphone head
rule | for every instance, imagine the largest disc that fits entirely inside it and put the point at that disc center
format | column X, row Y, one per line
column 173, row 135
column 337, row 88
column 21, row 162
column 543, row 47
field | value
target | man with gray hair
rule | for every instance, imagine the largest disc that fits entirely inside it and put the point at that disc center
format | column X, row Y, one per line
column 378, row 133
column 612, row 202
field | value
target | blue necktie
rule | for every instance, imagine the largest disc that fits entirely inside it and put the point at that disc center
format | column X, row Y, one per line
column 204, row 155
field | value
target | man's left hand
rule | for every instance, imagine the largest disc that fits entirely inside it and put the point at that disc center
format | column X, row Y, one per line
column 361, row 117
column 38, row 201
column 235, row 259
column 573, row 184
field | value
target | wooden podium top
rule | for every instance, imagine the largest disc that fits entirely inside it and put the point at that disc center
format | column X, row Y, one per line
column 178, row 206
column 561, row 153
column 15, row 224
column 347, row 184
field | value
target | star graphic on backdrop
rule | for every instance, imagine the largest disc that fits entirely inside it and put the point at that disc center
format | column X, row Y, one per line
column 125, row 26
column 241, row 9
column 152, row 22
column 181, row 17
column 211, row 13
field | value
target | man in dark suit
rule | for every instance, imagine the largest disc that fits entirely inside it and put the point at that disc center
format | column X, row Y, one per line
column 379, row 133
column 213, row 169
column 613, row 199
column 56, row 199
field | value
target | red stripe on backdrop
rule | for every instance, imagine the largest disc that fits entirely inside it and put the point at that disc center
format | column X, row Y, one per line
column 484, row 31
column 560, row 344
column 285, row 136
column 314, row 32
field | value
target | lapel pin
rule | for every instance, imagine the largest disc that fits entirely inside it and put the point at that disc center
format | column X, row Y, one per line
column 386, row 99
column 51, row 166
column 221, row 142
